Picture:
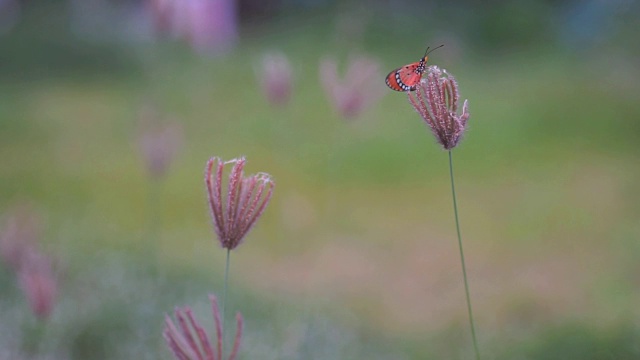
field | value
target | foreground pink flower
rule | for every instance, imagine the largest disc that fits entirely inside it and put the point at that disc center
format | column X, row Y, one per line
column 189, row 340
column 357, row 90
column 235, row 214
column 436, row 100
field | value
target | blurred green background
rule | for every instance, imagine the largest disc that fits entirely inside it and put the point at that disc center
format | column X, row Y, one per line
column 356, row 255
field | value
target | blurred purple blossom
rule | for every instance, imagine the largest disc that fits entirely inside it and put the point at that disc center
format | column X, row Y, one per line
column 158, row 142
column 276, row 78
column 246, row 199
column 210, row 26
column 213, row 25
column 190, row 341
column 436, row 100
column 358, row 89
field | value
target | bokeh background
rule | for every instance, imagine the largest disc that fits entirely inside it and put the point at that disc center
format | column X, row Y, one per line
column 356, row 255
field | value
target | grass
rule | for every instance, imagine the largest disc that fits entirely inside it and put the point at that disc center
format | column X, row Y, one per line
column 367, row 260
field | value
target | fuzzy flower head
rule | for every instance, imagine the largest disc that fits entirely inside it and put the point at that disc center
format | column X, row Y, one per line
column 246, row 198
column 190, row 341
column 436, row 100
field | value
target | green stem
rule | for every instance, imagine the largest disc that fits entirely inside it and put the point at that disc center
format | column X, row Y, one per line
column 154, row 220
column 464, row 268
column 224, row 292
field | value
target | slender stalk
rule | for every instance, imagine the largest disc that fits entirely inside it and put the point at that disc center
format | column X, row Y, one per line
column 464, row 268
column 153, row 204
column 332, row 173
column 224, row 292
column 154, row 220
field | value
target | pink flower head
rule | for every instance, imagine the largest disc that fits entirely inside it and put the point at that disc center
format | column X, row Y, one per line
column 276, row 78
column 245, row 201
column 38, row 282
column 436, row 100
column 189, row 340
column 357, row 90
column 158, row 142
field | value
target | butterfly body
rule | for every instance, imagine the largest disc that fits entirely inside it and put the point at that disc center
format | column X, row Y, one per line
column 407, row 77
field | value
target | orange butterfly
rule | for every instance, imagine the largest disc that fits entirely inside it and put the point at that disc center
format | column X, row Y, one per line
column 407, row 77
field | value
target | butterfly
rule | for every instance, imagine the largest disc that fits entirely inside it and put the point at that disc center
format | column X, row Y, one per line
column 407, row 77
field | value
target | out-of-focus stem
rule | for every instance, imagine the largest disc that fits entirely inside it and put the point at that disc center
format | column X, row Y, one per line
column 224, row 292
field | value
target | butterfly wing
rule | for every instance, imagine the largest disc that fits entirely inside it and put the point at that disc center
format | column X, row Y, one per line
column 405, row 78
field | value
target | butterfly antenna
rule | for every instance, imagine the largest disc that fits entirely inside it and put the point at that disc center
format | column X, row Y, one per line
column 428, row 52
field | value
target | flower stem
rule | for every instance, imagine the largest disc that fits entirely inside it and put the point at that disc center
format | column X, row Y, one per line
column 464, row 268
column 224, row 292
column 154, row 213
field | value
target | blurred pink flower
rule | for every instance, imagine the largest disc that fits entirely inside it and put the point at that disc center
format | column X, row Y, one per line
column 158, row 142
column 276, row 78
column 245, row 201
column 213, row 25
column 19, row 234
column 39, row 284
column 190, row 341
column 210, row 26
column 436, row 100
column 357, row 90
